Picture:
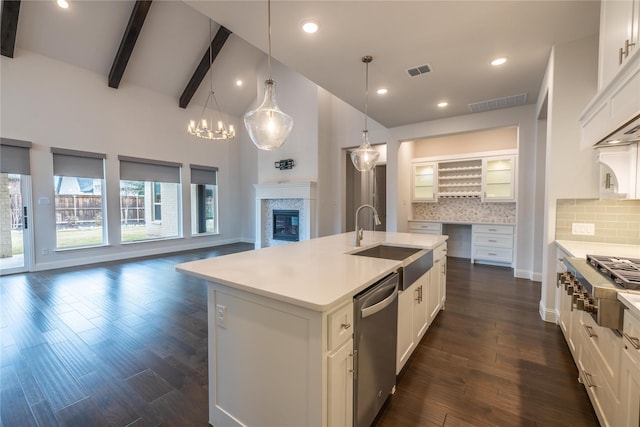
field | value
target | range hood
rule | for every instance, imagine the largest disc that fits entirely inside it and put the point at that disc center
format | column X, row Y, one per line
column 627, row 134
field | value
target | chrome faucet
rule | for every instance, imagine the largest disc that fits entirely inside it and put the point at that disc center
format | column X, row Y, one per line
column 360, row 232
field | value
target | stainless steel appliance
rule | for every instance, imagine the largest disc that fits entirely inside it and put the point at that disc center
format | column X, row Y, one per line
column 376, row 322
column 594, row 284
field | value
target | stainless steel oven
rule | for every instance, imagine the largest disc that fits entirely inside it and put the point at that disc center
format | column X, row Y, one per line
column 594, row 284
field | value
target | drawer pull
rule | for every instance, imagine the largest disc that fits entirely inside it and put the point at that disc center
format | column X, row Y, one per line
column 493, row 229
column 588, row 380
column 590, row 331
column 345, row 326
column 492, row 254
column 493, row 241
column 635, row 342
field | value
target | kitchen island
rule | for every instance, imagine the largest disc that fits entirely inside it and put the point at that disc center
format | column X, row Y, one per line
column 280, row 327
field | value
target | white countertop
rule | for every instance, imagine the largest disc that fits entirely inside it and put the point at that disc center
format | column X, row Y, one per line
column 582, row 249
column 632, row 301
column 318, row 274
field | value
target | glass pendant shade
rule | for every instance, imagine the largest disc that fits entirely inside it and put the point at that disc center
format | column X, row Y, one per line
column 267, row 125
column 364, row 157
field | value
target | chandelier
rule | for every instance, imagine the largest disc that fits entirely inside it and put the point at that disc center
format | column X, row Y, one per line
column 364, row 157
column 207, row 129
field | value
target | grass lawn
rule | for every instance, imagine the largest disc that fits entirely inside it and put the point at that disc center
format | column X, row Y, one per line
column 80, row 237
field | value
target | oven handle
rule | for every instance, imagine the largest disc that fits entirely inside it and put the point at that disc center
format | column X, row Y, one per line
column 635, row 342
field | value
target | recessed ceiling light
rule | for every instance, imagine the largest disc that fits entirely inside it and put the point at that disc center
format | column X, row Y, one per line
column 498, row 61
column 443, row 104
column 309, row 26
column 614, row 141
column 64, row 4
column 382, row 91
column 238, row 82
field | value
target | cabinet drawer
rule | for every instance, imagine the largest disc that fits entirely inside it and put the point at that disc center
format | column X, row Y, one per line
column 493, row 254
column 631, row 331
column 604, row 346
column 340, row 326
column 494, row 240
column 494, row 229
column 425, row 227
column 602, row 396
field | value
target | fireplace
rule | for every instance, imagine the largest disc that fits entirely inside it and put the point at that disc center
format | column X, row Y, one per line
column 286, row 225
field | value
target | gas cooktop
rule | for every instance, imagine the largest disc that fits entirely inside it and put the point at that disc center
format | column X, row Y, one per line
column 623, row 271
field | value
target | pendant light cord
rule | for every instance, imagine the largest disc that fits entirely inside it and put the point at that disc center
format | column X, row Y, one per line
column 366, row 94
column 269, row 24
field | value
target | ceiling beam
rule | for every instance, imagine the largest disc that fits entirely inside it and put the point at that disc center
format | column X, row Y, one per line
column 207, row 59
column 9, row 27
column 138, row 15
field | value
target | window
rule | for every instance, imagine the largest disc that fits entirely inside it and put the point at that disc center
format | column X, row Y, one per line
column 149, row 199
column 78, row 180
column 204, row 199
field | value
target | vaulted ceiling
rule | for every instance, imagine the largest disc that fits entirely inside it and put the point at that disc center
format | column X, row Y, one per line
column 457, row 39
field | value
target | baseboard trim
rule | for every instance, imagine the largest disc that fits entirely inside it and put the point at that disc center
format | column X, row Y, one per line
column 528, row 274
column 547, row 314
column 199, row 244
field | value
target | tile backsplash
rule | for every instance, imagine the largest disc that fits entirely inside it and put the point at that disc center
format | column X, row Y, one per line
column 615, row 221
column 468, row 210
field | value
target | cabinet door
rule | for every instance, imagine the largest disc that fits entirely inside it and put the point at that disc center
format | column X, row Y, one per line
column 442, row 256
column 424, row 180
column 433, row 300
column 421, row 307
column 629, row 390
column 406, row 338
column 618, row 30
column 340, row 386
column 498, row 179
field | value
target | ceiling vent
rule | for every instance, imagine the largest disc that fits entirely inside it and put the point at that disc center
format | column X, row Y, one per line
column 494, row 104
column 416, row 71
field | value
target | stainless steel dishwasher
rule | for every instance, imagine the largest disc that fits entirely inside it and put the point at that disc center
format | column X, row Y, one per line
column 376, row 322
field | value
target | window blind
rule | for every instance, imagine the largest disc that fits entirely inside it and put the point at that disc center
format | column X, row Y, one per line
column 14, row 156
column 74, row 163
column 135, row 169
column 204, row 174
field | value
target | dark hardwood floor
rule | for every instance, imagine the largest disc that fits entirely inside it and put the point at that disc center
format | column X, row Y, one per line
column 125, row 344
column 489, row 360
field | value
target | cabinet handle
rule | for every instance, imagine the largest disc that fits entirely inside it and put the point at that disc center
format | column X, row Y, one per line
column 345, row 326
column 607, row 181
column 493, row 229
column 493, row 241
column 590, row 331
column 587, row 379
column 492, row 254
column 625, row 51
column 620, row 56
column 635, row 342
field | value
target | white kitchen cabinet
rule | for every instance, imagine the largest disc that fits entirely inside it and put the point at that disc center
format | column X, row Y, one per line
column 618, row 37
column 440, row 259
column 424, row 182
column 437, row 282
column 425, row 227
column 492, row 244
column 340, row 386
column 498, row 179
column 630, row 372
column 413, row 319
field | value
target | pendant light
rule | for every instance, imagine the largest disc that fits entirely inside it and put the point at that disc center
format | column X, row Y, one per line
column 364, row 157
column 205, row 129
column 267, row 125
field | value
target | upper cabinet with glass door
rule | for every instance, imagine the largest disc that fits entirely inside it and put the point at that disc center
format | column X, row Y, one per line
column 498, row 179
column 424, row 182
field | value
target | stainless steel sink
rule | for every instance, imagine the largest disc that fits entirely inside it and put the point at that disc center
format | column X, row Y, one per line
column 409, row 272
column 397, row 253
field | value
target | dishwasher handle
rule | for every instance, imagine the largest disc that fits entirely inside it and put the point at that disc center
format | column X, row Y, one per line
column 376, row 306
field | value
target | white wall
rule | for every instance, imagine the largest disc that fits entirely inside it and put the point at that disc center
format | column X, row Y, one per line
column 54, row 104
column 524, row 118
column 570, row 82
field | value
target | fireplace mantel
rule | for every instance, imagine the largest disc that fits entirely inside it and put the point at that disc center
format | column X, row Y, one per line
column 305, row 192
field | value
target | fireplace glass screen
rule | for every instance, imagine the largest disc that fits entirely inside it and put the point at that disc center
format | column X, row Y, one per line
column 285, row 225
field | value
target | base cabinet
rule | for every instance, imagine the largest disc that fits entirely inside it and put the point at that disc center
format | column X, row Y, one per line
column 630, row 372
column 340, row 386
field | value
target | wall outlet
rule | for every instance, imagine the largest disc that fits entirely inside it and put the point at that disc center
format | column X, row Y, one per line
column 221, row 316
column 583, row 229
